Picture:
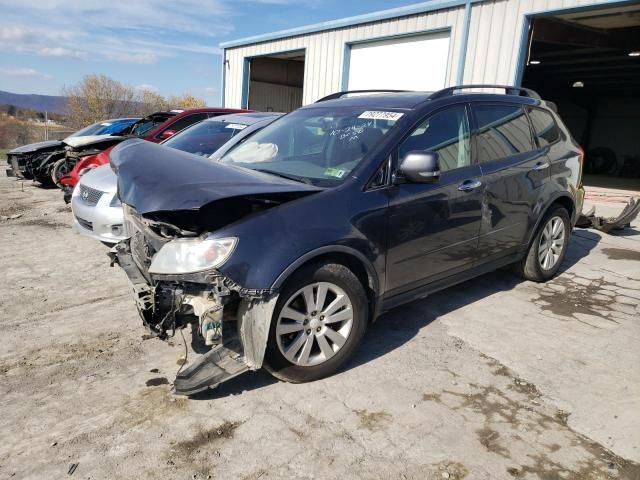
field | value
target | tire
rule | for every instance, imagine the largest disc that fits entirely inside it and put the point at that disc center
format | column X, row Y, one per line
column 324, row 357
column 59, row 170
column 43, row 180
column 538, row 266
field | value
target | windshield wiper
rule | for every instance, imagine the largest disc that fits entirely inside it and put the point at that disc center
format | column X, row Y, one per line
column 295, row 178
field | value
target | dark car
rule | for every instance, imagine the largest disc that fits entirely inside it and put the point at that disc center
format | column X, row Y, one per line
column 36, row 160
column 283, row 251
column 49, row 162
column 161, row 125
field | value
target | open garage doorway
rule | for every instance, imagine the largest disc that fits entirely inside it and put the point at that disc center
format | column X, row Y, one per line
column 588, row 63
column 276, row 82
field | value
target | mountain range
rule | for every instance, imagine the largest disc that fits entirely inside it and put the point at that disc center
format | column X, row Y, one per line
column 40, row 103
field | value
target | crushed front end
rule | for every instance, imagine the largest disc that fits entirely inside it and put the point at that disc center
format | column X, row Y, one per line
column 15, row 165
column 227, row 322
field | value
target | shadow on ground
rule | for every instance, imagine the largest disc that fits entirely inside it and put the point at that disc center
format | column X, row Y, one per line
column 398, row 326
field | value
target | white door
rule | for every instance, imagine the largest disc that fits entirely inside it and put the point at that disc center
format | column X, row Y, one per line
column 417, row 62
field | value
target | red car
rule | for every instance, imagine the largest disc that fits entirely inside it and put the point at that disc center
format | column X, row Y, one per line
column 155, row 128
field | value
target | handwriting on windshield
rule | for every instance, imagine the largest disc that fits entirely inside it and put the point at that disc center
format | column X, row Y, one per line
column 350, row 133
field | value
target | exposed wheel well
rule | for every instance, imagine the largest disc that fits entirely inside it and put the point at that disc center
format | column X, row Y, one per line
column 352, row 263
column 563, row 201
column 567, row 203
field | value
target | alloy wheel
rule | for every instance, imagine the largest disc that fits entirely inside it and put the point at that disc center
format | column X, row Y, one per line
column 551, row 243
column 314, row 324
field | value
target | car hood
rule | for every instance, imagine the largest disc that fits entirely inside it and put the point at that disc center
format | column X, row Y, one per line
column 83, row 141
column 155, row 178
column 100, row 178
column 32, row 147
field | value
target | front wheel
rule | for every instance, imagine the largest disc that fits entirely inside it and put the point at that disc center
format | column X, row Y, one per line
column 549, row 246
column 318, row 323
column 61, row 168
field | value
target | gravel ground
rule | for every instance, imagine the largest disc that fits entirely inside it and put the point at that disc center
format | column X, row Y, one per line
column 495, row 378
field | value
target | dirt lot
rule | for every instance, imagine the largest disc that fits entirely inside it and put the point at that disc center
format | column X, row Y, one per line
column 495, row 378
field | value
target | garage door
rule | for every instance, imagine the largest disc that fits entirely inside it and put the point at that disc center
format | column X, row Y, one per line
column 410, row 63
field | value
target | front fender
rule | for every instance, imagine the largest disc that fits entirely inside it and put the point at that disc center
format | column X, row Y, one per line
column 329, row 249
column 274, row 243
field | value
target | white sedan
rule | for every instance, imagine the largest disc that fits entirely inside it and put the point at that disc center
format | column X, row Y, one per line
column 97, row 211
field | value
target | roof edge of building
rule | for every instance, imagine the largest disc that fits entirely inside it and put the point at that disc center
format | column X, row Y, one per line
column 424, row 7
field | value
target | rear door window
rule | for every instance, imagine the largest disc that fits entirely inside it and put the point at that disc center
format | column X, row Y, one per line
column 502, row 131
column 544, row 126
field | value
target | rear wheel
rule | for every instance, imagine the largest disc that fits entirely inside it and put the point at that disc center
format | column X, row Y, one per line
column 318, row 323
column 549, row 246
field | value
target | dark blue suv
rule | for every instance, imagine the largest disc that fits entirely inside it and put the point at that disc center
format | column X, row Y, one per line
column 281, row 251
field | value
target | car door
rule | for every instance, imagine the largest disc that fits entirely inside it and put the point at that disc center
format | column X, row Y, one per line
column 433, row 228
column 513, row 171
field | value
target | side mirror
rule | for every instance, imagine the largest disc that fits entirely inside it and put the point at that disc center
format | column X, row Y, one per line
column 167, row 133
column 419, row 167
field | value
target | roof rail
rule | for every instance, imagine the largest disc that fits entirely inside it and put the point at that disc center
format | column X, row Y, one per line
column 508, row 90
column 333, row 96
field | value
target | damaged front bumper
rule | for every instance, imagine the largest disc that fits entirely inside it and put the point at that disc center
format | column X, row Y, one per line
column 607, row 224
column 15, row 167
column 222, row 315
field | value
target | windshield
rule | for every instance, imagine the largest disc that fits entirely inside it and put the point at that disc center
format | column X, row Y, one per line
column 320, row 146
column 102, row 128
column 204, row 138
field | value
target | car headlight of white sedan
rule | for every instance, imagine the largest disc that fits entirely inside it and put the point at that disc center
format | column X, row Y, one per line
column 191, row 255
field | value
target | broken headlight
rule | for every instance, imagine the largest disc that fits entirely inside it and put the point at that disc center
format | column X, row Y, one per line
column 188, row 255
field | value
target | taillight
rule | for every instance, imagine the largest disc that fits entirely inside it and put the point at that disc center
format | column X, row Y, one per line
column 581, row 158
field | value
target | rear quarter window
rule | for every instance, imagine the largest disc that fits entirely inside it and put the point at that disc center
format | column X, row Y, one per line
column 502, row 131
column 544, row 126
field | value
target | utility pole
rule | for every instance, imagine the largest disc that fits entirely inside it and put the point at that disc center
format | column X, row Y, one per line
column 46, row 125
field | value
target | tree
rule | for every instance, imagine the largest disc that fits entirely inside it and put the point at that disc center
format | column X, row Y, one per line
column 98, row 97
column 151, row 102
column 11, row 110
column 186, row 101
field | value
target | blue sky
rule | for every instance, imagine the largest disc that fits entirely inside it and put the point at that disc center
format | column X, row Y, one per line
column 168, row 46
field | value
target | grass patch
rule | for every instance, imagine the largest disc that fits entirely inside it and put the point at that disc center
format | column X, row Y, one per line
column 3, row 154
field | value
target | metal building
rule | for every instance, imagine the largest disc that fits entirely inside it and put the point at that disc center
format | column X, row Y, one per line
column 582, row 54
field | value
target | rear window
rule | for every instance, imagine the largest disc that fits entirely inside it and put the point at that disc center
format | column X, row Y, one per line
column 184, row 122
column 204, row 138
column 545, row 127
column 503, row 131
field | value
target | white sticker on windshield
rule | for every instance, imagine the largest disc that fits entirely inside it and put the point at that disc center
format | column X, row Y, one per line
column 381, row 115
column 236, row 126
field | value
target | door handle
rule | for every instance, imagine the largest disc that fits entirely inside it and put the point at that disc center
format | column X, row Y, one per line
column 541, row 166
column 469, row 185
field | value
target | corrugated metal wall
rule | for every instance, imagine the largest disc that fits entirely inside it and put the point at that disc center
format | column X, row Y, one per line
column 492, row 51
column 325, row 51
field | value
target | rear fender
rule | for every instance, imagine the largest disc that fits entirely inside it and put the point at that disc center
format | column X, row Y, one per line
column 557, row 198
